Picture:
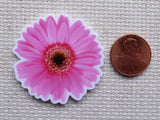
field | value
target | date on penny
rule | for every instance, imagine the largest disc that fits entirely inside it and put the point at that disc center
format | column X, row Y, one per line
column 130, row 55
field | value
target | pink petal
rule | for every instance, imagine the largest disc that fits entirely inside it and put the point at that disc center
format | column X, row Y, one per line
column 91, row 45
column 63, row 29
column 85, row 33
column 28, row 68
column 62, row 33
column 27, row 51
column 58, row 94
column 41, row 31
column 64, row 97
column 28, row 55
column 34, row 81
column 34, row 42
column 75, row 26
column 77, row 32
column 54, row 83
column 42, row 85
column 82, row 78
column 88, row 74
column 85, row 67
column 91, row 76
column 52, row 30
column 88, row 61
column 67, row 82
column 62, row 19
column 94, row 55
column 77, row 86
column 35, row 34
column 76, row 35
column 84, row 42
column 88, row 49
column 43, row 25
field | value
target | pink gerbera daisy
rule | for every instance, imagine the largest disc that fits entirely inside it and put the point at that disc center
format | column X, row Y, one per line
column 58, row 59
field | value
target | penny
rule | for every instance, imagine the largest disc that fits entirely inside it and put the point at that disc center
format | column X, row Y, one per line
column 130, row 55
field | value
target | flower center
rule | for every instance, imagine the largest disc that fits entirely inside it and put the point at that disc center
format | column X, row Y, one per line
column 58, row 58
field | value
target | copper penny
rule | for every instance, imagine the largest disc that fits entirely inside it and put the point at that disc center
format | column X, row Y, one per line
column 130, row 55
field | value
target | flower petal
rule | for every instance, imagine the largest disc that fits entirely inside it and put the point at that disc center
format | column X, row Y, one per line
column 82, row 78
column 84, row 67
column 91, row 45
column 67, row 82
column 43, row 25
column 62, row 33
column 52, row 30
column 77, row 86
column 84, row 42
column 77, row 32
column 89, row 71
column 43, row 32
column 92, row 76
column 58, row 94
column 75, row 26
column 64, row 97
column 94, row 55
column 34, row 42
column 28, row 68
column 26, row 51
column 62, row 19
column 41, row 85
column 88, row 49
column 35, row 34
column 88, row 61
column 63, row 29
column 53, row 83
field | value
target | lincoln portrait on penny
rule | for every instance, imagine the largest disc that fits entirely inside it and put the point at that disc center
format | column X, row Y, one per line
column 133, row 60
